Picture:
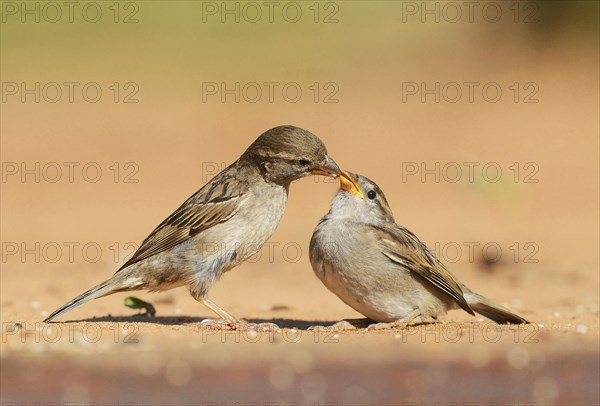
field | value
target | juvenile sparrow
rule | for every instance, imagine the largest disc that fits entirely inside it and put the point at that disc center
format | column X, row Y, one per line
column 223, row 223
column 381, row 269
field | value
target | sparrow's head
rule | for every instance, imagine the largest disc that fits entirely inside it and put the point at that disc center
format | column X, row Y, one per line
column 287, row 153
column 361, row 199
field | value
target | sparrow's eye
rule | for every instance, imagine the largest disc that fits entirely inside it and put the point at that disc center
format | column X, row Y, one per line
column 371, row 194
column 303, row 162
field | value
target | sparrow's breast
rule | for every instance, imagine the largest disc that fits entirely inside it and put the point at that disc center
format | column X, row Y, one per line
column 245, row 233
column 347, row 262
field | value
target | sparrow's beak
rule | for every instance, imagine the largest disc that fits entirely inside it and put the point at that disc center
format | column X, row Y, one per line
column 350, row 185
column 327, row 168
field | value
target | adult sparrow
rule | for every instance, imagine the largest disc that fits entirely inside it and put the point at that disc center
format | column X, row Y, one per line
column 381, row 269
column 223, row 223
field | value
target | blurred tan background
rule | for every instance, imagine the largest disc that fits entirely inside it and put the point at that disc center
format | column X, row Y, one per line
column 378, row 83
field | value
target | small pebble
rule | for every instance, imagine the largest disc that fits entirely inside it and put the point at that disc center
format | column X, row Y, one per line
column 35, row 304
column 581, row 328
column 556, row 314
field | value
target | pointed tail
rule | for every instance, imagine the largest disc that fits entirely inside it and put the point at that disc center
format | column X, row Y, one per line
column 105, row 288
column 492, row 311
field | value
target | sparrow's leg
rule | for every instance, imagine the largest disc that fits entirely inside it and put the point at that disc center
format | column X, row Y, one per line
column 398, row 323
column 230, row 322
column 226, row 321
column 228, row 318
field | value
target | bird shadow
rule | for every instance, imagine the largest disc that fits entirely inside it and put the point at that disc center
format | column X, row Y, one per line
column 185, row 320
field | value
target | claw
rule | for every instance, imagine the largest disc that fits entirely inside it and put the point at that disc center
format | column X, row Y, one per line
column 268, row 327
column 220, row 324
column 382, row 326
column 402, row 323
column 212, row 324
column 387, row 326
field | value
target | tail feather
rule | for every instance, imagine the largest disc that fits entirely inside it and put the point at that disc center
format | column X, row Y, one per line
column 105, row 288
column 493, row 311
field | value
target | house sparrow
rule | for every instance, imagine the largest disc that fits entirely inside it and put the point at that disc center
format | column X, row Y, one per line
column 222, row 224
column 381, row 269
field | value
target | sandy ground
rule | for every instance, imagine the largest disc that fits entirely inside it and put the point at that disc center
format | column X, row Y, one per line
column 60, row 238
column 123, row 359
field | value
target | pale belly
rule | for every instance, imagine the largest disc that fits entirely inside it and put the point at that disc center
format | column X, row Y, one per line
column 245, row 233
column 376, row 303
column 200, row 261
column 354, row 271
column 237, row 239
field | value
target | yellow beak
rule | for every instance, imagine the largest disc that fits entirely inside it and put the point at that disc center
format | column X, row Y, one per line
column 350, row 185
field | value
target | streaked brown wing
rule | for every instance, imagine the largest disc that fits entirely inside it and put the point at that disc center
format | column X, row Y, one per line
column 404, row 248
column 215, row 202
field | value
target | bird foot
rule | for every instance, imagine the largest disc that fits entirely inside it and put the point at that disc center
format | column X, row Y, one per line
column 220, row 324
column 386, row 326
column 263, row 327
column 401, row 323
column 217, row 324
column 343, row 325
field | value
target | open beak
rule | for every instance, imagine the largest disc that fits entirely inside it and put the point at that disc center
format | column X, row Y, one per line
column 328, row 168
column 350, row 185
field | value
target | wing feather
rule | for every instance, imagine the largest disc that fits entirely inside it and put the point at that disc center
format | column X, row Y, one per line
column 214, row 203
column 403, row 247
